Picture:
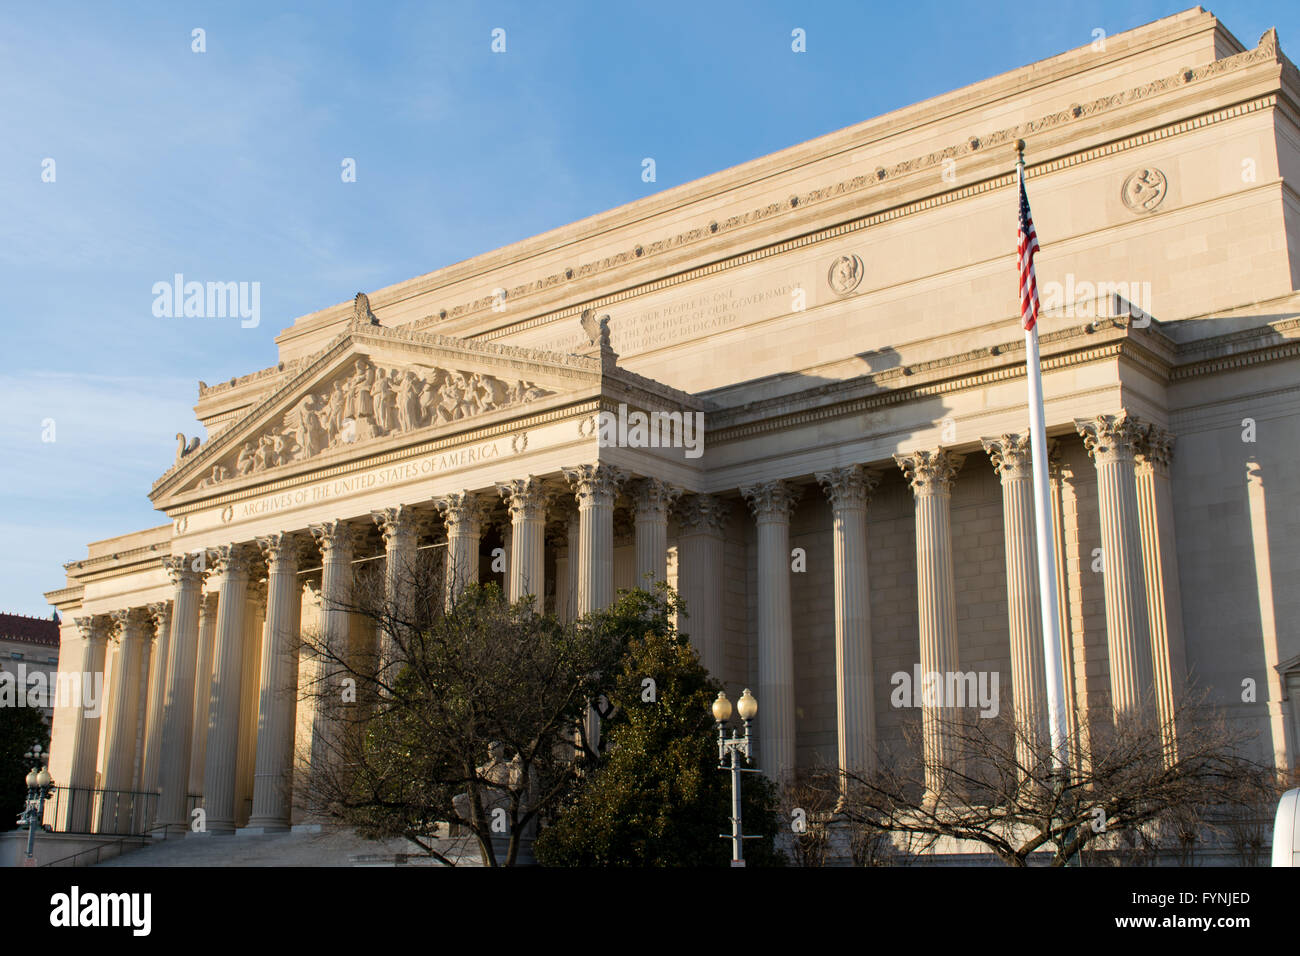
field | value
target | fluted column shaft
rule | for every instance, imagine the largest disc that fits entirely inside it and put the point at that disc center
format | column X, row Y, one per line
column 249, row 692
column 337, row 542
column 702, row 519
column 278, row 692
column 1164, row 596
column 398, row 527
column 88, row 709
column 772, row 503
column 462, row 513
column 849, row 490
column 652, row 498
column 1012, row 457
column 161, row 619
column 595, row 487
column 202, row 690
column 231, row 566
column 526, row 499
column 178, row 711
column 930, row 474
column 1112, row 440
column 123, row 715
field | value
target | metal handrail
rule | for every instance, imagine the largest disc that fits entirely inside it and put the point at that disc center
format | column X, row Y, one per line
column 99, row 847
column 94, row 810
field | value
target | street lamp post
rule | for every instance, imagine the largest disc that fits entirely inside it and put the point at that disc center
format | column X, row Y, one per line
column 39, row 788
column 735, row 746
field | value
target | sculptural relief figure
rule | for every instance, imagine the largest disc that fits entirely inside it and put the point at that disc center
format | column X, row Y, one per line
column 449, row 402
column 366, row 403
column 428, row 403
column 307, row 427
column 383, row 398
column 218, row 474
column 247, row 459
column 334, row 414
column 408, row 402
column 494, row 393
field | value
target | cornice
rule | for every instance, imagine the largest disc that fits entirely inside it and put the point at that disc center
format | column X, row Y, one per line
column 576, row 411
column 577, row 368
column 976, row 146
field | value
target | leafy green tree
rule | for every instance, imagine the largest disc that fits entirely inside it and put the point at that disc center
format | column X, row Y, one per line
column 477, row 728
column 20, row 728
column 656, row 796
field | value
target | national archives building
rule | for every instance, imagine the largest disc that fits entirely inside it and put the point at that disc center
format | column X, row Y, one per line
column 828, row 342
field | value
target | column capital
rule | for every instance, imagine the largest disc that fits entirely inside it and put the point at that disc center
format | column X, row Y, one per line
column 706, row 514
column 848, row 487
column 930, row 472
column 595, row 484
column 337, row 535
column 772, row 500
column 232, row 559
column 1111, row 438
column 160, row 612
column 399, row 526
column 129, row 622
column 1012, row 456
column 94, row 627
column 282, row 550
column 1156, row 448
column 256, row 592
column 525, row 498
column 180, row 568
column 463, row 512
column 652, row 497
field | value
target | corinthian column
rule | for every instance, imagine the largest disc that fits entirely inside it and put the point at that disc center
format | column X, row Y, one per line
column 772, row 503
column 398, row 527
column 1012, row 460
column 849, row 489
column 230, row 571
column 202, row 690
column 160, row 618
column 652, row 499
column 930, row 474
column 701, row 520
column 462, row 512
column 123, row 715
column 178, row 710
column 249, row 689
column 526, row 500
column 88, row 708
column 1160, row 559
column 278, row 693
column 595, row 487
column 1111, row 440
column 337, row 542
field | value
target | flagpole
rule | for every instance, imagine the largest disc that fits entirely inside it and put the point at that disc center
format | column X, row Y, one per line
column 1043, row 524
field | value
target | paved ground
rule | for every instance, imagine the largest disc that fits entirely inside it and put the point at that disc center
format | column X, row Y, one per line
column 325, row 847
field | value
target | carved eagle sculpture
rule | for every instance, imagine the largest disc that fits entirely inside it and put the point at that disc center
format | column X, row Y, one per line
column 596, row 329
column 361, row 309
column 183, row 449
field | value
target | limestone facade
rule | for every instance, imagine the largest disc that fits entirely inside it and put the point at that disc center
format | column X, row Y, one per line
column 841, row 318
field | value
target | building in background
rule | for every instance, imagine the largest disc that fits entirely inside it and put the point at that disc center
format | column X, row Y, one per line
column 30, row 646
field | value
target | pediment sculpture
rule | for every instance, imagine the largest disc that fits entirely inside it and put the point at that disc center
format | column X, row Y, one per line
column 367, row 402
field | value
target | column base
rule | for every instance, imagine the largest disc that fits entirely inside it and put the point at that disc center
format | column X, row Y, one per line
column 258, row 828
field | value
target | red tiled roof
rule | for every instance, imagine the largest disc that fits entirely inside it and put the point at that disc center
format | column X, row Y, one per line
column 33, row 630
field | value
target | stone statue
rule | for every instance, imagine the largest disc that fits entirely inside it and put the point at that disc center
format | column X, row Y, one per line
column 247, row 460
column 361, row 310
column 183, row 449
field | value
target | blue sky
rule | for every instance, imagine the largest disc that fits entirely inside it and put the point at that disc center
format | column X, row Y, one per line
column 225, row 166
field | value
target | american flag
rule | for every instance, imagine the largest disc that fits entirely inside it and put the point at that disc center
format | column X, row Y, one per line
column 1026, row 246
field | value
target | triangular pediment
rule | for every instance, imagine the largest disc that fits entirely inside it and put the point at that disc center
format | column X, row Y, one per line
column 373, row 384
